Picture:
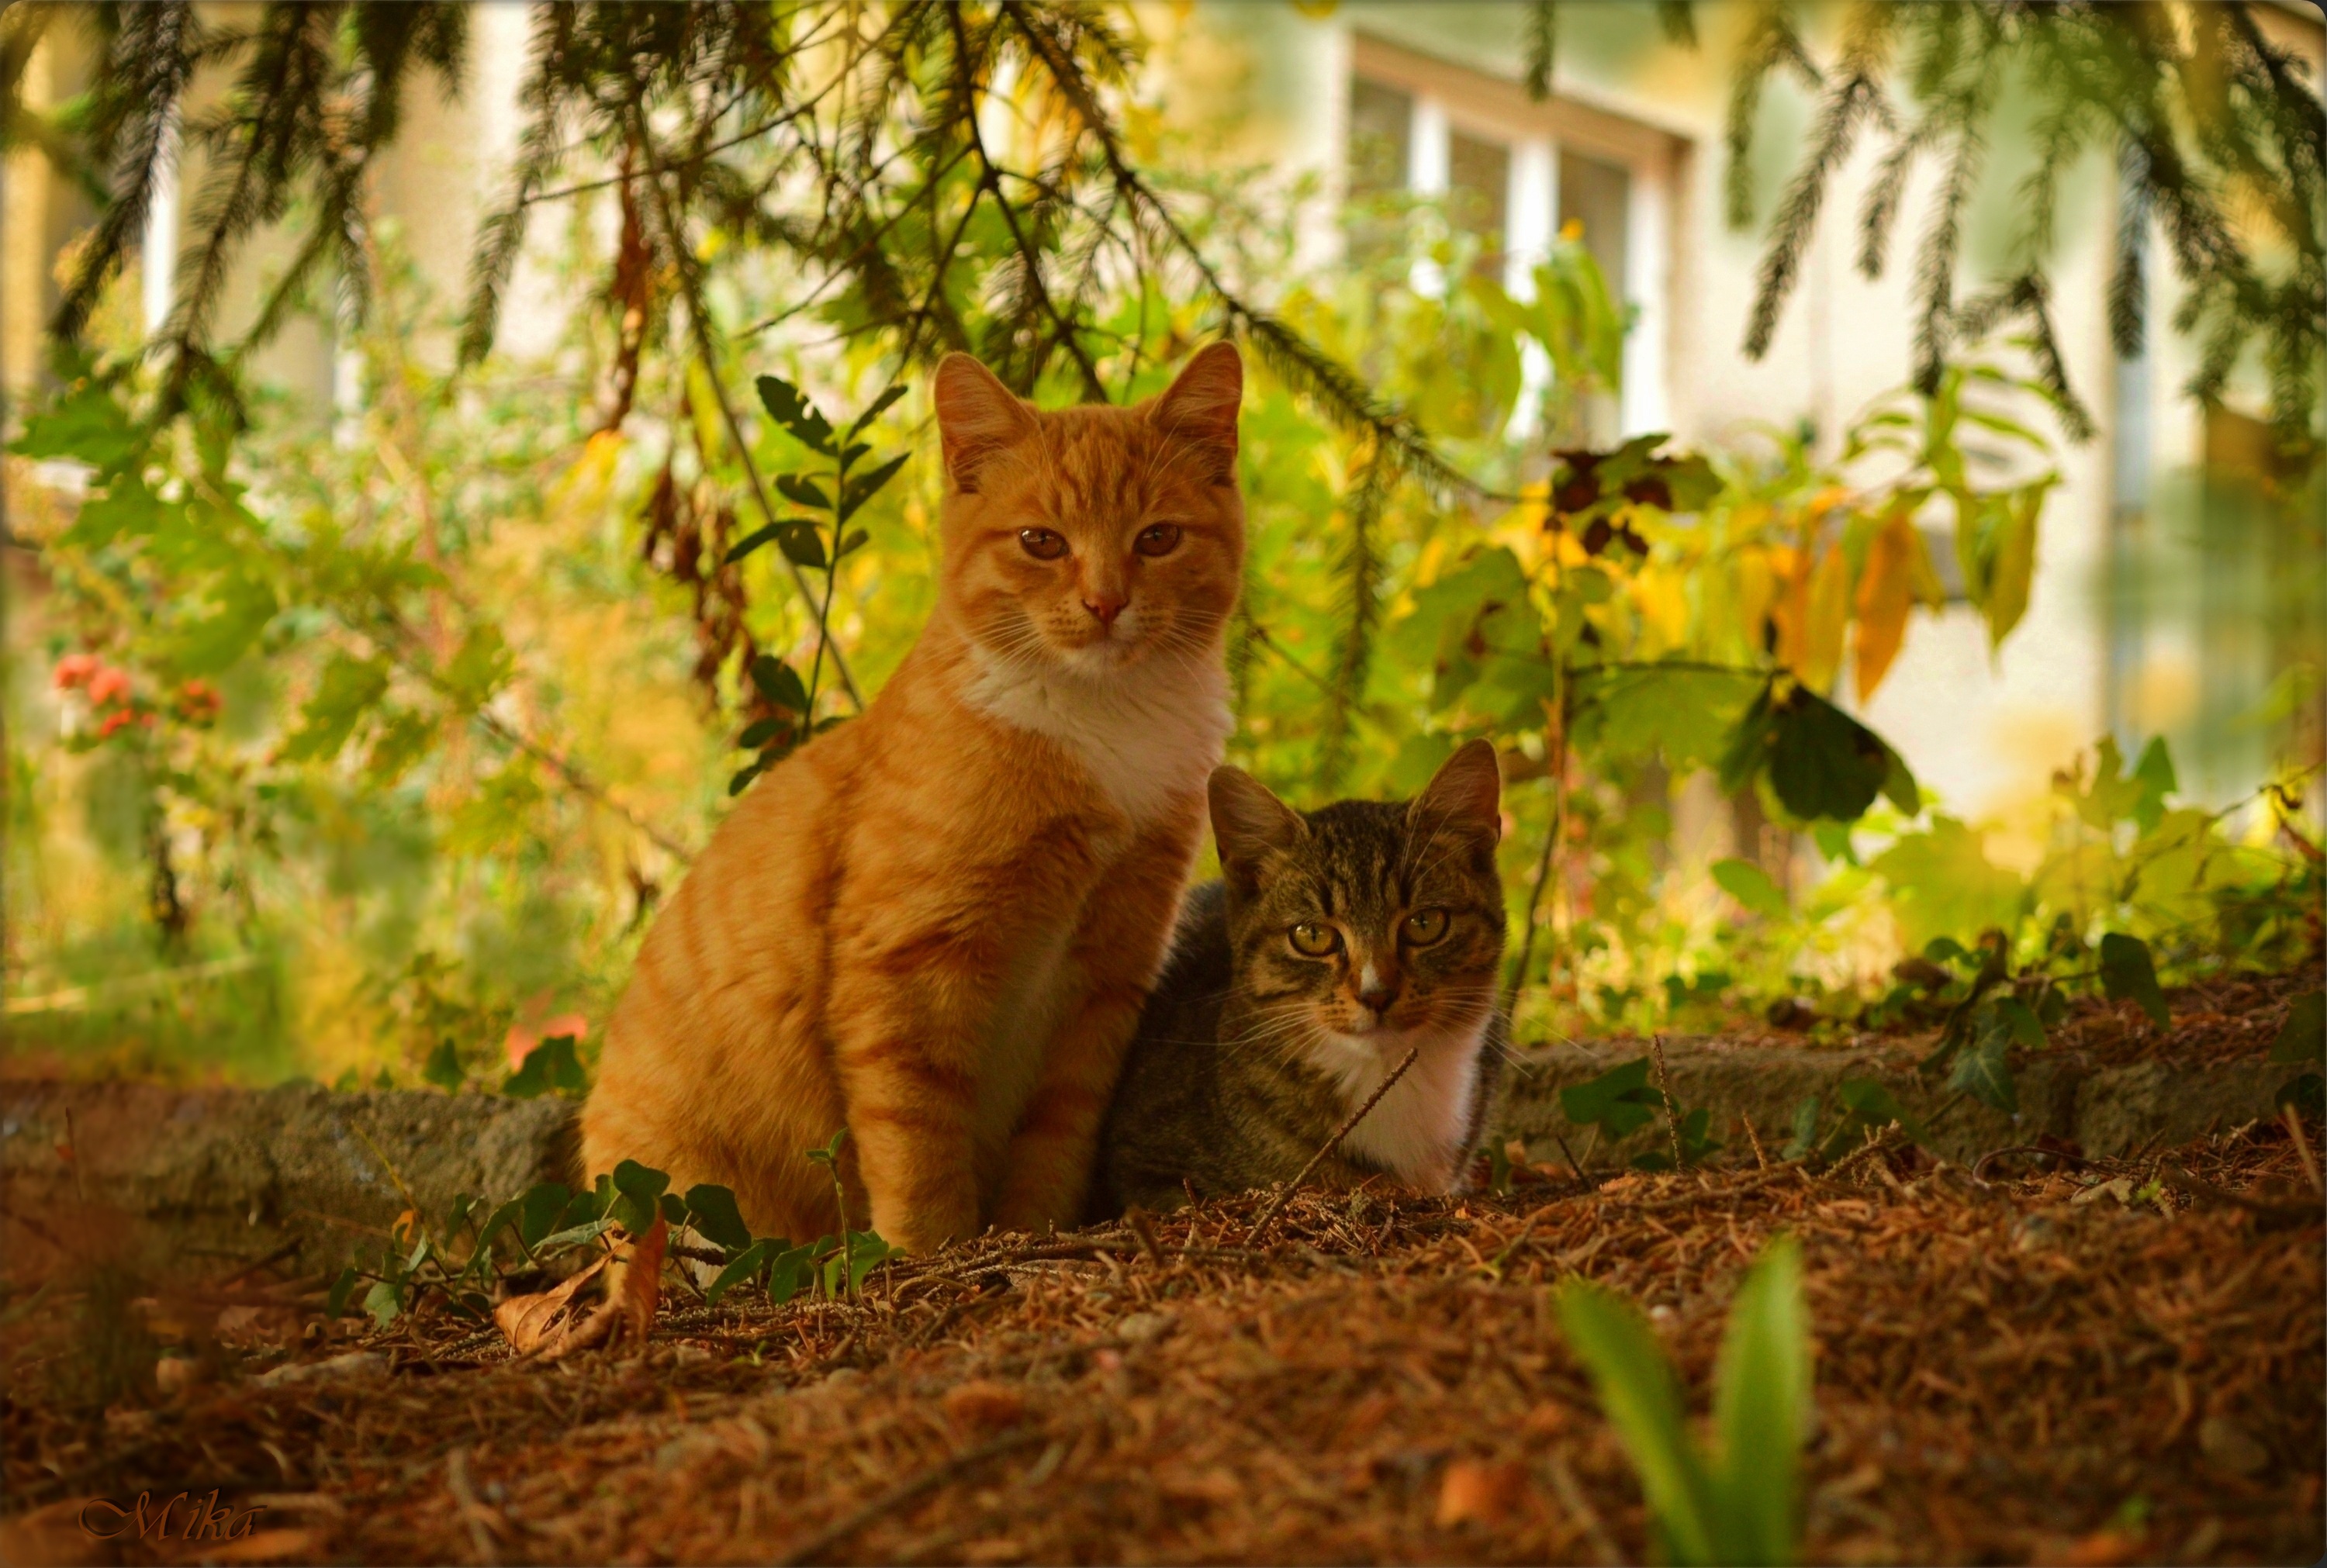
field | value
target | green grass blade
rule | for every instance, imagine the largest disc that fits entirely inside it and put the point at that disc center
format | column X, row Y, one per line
column 1760, row 1406
column 1641, row 1399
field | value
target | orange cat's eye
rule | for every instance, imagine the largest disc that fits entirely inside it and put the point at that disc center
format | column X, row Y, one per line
column 1311, row 940
column 1425, row 927
column 1157, row 539
column 1042, row 544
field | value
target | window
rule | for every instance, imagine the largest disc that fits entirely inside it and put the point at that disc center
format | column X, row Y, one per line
column 1515, row 172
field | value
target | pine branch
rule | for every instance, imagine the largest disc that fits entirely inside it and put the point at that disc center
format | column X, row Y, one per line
column 1770, row 42
column 1361, row 576
column 1542, row 47
column 1856, row 95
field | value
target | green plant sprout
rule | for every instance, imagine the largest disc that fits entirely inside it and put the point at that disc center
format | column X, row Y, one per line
column 1740, row 1502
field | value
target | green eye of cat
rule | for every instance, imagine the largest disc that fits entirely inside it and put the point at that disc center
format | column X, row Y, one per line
column 1425, row 927
column 1311, row 940
column 1042, row 544
column 1160, row 539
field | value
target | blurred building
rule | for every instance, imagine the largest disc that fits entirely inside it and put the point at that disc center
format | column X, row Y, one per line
column 2145, row 615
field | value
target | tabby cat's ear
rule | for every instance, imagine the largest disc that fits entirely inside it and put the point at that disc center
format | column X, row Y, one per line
column 1247, row 824
column 1200, row 408
column 978, row 416
column 1464, row 798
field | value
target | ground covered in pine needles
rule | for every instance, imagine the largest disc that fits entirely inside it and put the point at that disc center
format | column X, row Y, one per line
column 2044, row 1359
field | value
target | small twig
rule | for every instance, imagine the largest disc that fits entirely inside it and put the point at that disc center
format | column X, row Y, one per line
column 1979, row 1166
column 1136, row 1217
column 456, row 1479
column 2294, row 1121
column 903, row 1492
column 1664, row 1087
column 2173, row 1176
column 1285, row 1194
column 1754, row 1138
column 1563, row 1481
column 1573, row 1163
column 1876, row 1143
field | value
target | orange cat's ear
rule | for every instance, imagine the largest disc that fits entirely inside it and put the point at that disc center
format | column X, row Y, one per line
column 978, row 416
column 1200, row 407
column 1464, row 796
column 1247, row 824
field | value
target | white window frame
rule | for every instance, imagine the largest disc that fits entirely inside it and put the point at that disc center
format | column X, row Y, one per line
column 1449, row 97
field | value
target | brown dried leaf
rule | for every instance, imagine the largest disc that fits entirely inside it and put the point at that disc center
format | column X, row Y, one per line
column 1474, row 1490
column 640, row 1284
column 529, row 1323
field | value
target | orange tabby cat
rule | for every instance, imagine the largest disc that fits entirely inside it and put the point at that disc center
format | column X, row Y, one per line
column 935, row 924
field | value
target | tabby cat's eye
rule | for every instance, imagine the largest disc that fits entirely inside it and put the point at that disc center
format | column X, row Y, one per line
column 1158, row 540
column 1042, row 544
column 1425, row 927
column 1311, row 940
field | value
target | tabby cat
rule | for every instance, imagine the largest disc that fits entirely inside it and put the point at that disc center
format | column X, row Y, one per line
column 935, row 924
column 1336, row 940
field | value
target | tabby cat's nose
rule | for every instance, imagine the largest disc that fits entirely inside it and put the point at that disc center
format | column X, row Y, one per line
column 1376, row 990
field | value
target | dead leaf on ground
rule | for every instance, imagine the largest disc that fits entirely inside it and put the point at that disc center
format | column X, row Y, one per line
column 1488, row 1493
column 529, row 1323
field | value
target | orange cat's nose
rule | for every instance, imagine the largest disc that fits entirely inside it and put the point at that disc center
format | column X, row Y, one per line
column 1105, row 607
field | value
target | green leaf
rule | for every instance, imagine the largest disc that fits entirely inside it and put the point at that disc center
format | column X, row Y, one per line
column 803, row 490
column 1761, row 1409
column 1869, row 1105
column 443, row 1069
column 87, row 424
column 851, row 542
column 538, row 1209
column 1638, row 1391
column 2128, row 974
column 384, row 1302
column 2155, row 773
column 1806, row 1123
column 1981, row 1069
column 711, row 1210
column 760, row 732
column 1822, row 762
column 751, row 542
column 780, row 684
column 1943, row 884
column 788, row 407
column 742, row 1266
column 549, row 1068
column 242, row 606
column 801, row 545
column 1751, row 886
column 1620, row 1100
column 589, row 1230
column 335, row 1300
column 863, row 487
column 479, row 668
column 790, row 1269
column 2303, row 1038
column 640, row 1189
column 878, row 406
column 743, row 777
column 2020, row 1020
column 867, row 1252
column 349, row 689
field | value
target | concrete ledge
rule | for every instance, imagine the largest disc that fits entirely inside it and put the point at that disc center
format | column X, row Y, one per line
column 2106, row 1111
column 239, row 1172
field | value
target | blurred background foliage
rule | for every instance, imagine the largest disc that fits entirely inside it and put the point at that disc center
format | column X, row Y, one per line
column 362, row 741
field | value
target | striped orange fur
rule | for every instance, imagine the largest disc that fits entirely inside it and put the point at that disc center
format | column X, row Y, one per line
column 935, row 924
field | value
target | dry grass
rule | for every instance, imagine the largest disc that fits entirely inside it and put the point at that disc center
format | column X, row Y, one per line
column 2023, row 1369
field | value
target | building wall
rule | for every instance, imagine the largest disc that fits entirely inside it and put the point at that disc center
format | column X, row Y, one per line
column 1983, row 730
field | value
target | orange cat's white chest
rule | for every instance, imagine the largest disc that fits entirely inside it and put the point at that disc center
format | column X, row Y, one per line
column 1146, row 736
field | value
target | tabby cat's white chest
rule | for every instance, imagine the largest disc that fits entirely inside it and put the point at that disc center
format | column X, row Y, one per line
column 1417, row 1130
column 1146, row 735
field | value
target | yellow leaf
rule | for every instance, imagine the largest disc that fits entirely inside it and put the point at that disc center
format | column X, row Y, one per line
column 1789, row 606
column 2016, row 564
column 1886, row 591
column 1826, row 611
